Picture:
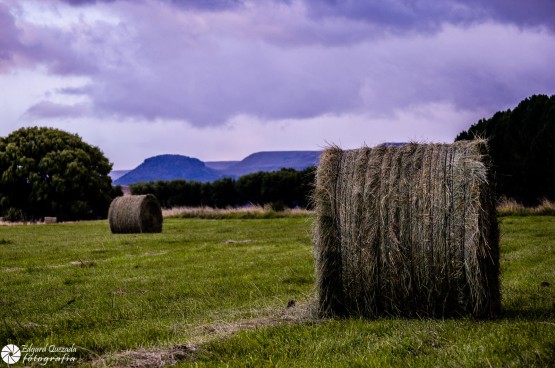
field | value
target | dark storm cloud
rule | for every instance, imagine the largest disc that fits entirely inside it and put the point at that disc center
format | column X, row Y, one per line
column 430, row 14
column 162, row 60
column 47, row 109
column 29, row 45
column 396, row 15
column 11, row 47
column 391, row 14
column 522, row 13
column 207, row 4
column 86, row 2
column 185, row 4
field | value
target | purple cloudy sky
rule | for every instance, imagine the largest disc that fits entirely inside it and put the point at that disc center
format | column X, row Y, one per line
column 219, row 79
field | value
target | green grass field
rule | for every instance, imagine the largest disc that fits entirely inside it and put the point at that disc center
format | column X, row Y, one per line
column 215, row 292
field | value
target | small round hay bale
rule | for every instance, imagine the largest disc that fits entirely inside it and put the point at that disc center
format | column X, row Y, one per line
column 135, row 214
column 50, row 220
column 409, row 231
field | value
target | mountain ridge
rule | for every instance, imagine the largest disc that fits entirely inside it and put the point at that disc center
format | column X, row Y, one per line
column 169, row 167
column 173, row 167
column 274, row 160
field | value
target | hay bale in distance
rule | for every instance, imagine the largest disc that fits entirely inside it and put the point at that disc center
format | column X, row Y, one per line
column 50, row 220
column 135, row 214
column 407, row 231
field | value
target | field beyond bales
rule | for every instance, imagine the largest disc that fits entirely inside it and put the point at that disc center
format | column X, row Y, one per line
column 215, row 292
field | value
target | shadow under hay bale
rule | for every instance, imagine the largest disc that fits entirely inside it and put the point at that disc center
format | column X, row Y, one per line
column 407, row 231
column 135, row 214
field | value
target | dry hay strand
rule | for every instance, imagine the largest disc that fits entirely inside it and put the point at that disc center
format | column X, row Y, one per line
column 135, row 214
column 407, row 231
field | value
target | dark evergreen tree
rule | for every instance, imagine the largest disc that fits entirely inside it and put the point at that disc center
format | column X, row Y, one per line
column 522, row 145
column 249, row 188
column 224, row 193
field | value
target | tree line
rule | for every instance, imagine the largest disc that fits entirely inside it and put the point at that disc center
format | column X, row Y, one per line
column 286, row 188
column 49, row 172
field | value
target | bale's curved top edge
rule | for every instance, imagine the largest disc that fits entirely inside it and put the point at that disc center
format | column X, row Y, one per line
column 333, row 148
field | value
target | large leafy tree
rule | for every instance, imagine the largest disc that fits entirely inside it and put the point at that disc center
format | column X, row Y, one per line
column 49, row 172
column 522, row 145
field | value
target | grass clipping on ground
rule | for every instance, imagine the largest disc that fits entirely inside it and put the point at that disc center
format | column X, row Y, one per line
column 135, row 214
column 407, row 231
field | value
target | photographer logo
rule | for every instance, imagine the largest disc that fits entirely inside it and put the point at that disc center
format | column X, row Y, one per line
column 11, row 354
column 29, row 354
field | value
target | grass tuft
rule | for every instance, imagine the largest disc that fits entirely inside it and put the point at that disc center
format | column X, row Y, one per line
column 237, row 213
column 510, row 207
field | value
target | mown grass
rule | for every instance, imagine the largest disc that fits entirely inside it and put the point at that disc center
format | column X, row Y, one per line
column 78, row 284
column 523, row 336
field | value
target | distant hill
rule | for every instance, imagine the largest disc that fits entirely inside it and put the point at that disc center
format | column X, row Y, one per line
column 116, row 174
column 169, row 167
column 272, row 161
column 219, row 165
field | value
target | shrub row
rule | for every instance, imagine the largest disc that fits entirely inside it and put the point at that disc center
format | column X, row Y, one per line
column 286, row 188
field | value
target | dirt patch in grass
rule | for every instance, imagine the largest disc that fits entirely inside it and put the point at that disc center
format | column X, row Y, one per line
column 83, row 263
column 293, row 312
column 149, row 358
column 231, row 241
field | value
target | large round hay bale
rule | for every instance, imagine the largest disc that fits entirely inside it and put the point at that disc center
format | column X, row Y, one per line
column 409, row 231
column 135, row 214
